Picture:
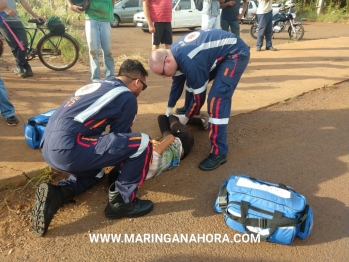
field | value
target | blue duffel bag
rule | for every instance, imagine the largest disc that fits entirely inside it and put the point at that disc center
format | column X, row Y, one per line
column 35, row 127
column 273, row 212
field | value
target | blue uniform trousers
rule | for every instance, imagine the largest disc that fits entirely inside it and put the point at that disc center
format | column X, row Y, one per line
column 227, row 76
column 131, row 152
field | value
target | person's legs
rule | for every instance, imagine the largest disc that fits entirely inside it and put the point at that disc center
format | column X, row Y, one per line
column 93, row 38
column 268, row 29
column 219, row 108
column 167, row 34
column 157, row 36
column 262, row 24
column 80, row 182
column 235, row 27
column 211, row 22
column 183, row 133
column 205, row 22
column 133, row 171
column 20, row 56
column 225, row 25
column 85, row 164
column 216, row 22
column 164, row 125
column 106, row 43
column 6, row 107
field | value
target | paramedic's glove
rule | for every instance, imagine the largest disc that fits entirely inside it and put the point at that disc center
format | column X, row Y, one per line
column 183, row 119
column 169, row 111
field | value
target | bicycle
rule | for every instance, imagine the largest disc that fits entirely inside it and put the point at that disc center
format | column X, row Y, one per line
column 57, row 52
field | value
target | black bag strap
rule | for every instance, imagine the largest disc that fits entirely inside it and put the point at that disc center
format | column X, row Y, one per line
column 277, row 221
column 33, row 124
column 305, row 212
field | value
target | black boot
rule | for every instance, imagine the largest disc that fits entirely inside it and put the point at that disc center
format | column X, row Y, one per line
column 212, row 162
column 117, row 208
column 49, row 198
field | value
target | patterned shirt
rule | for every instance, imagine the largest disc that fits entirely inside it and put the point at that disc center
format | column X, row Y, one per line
column 167, row 160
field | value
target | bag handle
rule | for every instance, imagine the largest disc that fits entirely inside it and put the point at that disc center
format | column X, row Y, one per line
column 33, row 124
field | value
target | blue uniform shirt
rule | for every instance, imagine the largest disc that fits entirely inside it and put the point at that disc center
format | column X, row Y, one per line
column 89, row 111
column 197, row 54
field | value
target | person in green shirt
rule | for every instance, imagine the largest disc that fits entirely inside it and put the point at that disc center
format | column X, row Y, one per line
column 99, row 14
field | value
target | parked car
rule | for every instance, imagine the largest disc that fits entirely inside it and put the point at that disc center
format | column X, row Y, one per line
column 184, row 14
column 252, row 9
column 124, row 11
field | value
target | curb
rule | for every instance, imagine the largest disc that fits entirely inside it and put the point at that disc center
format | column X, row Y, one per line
column 19, row 180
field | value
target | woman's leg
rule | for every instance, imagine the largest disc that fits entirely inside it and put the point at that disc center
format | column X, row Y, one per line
column 164, row 125
column 183, row 133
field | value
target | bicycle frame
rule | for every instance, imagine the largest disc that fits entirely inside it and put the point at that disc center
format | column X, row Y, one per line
column 31, row 52
column 49, row 46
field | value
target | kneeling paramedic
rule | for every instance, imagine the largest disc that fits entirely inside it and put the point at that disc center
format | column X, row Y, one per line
column 75, row 142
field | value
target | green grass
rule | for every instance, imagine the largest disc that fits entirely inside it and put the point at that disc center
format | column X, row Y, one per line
column 44, row 177
column 329, row 14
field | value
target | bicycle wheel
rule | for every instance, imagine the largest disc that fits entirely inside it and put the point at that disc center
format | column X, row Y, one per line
column 254, row 30
column 58, row 52
column 297, row 33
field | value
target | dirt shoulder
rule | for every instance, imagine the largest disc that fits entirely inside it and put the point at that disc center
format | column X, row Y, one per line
column 301, row 142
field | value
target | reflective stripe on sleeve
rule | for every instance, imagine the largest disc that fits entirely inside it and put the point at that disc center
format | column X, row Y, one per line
column 143, row 145
column 99, row 103
column 213, row 44
column 198, row 90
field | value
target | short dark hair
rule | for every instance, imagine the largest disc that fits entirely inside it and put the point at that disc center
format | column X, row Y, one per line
column 132, row 68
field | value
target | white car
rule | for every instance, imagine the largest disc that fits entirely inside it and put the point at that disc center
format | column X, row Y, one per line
column 124, row 11
column 184, row 14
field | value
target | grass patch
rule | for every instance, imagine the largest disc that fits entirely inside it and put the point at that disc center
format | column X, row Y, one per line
column 330, row 13
column 44, row 177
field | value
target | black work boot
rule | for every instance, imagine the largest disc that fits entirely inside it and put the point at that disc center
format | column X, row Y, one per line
column 117, row 208
column 212, row 162
column 49, row 198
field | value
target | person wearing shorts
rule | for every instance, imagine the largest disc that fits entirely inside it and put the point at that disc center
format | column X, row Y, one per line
column 158, row 14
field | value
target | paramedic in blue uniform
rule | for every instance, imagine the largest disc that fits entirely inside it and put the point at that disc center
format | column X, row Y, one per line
column 196, row 59
column 76, row 141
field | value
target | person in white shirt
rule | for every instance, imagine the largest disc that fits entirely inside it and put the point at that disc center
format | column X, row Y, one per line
column 211, row 15
column 265, row 25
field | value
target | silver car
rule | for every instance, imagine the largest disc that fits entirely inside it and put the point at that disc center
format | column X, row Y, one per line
column 124, row 11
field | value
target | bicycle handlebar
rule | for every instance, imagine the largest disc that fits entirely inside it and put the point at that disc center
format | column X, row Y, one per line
column 41, row 22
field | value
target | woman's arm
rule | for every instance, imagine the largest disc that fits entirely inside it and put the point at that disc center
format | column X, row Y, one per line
column 167, row 140
column 3, row 5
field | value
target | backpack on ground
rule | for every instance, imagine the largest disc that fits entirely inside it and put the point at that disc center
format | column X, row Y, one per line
column 35, row 127
column 273, row 212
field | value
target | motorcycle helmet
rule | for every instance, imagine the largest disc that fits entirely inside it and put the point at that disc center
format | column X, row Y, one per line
column 82, row 3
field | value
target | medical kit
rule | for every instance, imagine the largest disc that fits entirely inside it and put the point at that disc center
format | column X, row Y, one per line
column 35, row 127
column 273, row 212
